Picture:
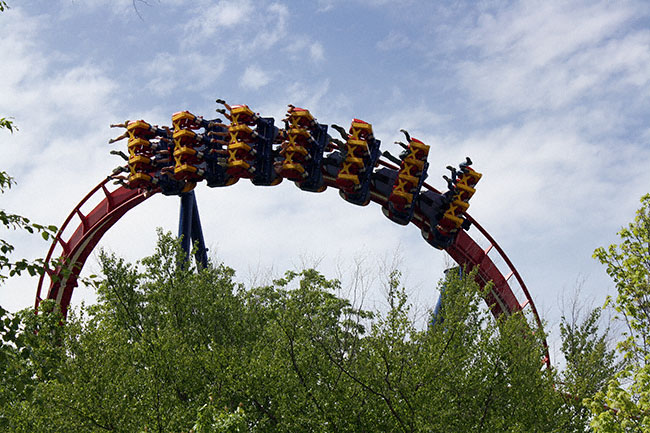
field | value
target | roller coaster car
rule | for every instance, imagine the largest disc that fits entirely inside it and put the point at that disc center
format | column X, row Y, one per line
column 250, row 151
column 461, row 191
column 360, row 157
column 408, row 184
column 445, row 211
column 301, row 153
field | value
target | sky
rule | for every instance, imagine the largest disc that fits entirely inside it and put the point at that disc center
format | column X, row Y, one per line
column 550, row 99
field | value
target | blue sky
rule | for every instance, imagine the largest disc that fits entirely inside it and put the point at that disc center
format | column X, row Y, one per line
column 550, row 99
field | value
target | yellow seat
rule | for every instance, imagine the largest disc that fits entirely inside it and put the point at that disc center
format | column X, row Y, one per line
column 462, row 205
column 297, row 149
column 357, row 147
column 410, row 179
column 240, row 127
column 413, row 161
column 406, row 197
column 291, row 169
column 239, row 145
column 362, row 126
column 137, row 126
column 182, row 151
column 138, row 142
column 242, row 109
column 466, row 188
column 139, row 177
column 347, row 179
column 238, row 163
column 185, row 168
column 475, row 175
column 300, row 132
column 183, row 119
column 456, row 220
column 355, row 162
column 139, row 159
column 301, row 115
column 184, row 133
column 417, row 145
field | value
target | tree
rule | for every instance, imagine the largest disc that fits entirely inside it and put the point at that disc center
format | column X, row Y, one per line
column 628, row 264
column 169, row 348
column 590, row 362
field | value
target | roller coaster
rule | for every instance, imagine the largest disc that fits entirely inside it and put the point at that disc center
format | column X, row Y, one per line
column 173, row 160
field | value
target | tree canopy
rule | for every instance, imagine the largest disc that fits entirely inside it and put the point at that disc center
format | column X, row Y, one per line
column 628, row 394
column 170, row 348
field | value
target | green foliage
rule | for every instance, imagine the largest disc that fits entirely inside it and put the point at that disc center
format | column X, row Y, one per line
column 30, row 353
column 211, row 420
column 590, row 364
column 4, row 122
column 172, row 348
column 628, row 264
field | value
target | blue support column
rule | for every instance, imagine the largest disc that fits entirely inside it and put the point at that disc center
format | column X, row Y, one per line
column 189, row 228
column 435, row 316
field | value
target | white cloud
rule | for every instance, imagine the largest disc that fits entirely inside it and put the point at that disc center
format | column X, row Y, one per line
column 317, row 52
column 168, row 72
column 62, row 113
column 303, row 45
column 394, row 41
column 210, row 18
column 325, row 5
column 272, row 28
column 308, row 95
column 254, row 78
column 234, row 30
column 548, row 56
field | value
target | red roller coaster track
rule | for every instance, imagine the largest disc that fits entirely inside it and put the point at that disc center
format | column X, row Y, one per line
column 75, row 248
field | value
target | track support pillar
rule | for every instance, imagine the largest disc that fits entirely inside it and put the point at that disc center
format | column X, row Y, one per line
column 189, row 229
